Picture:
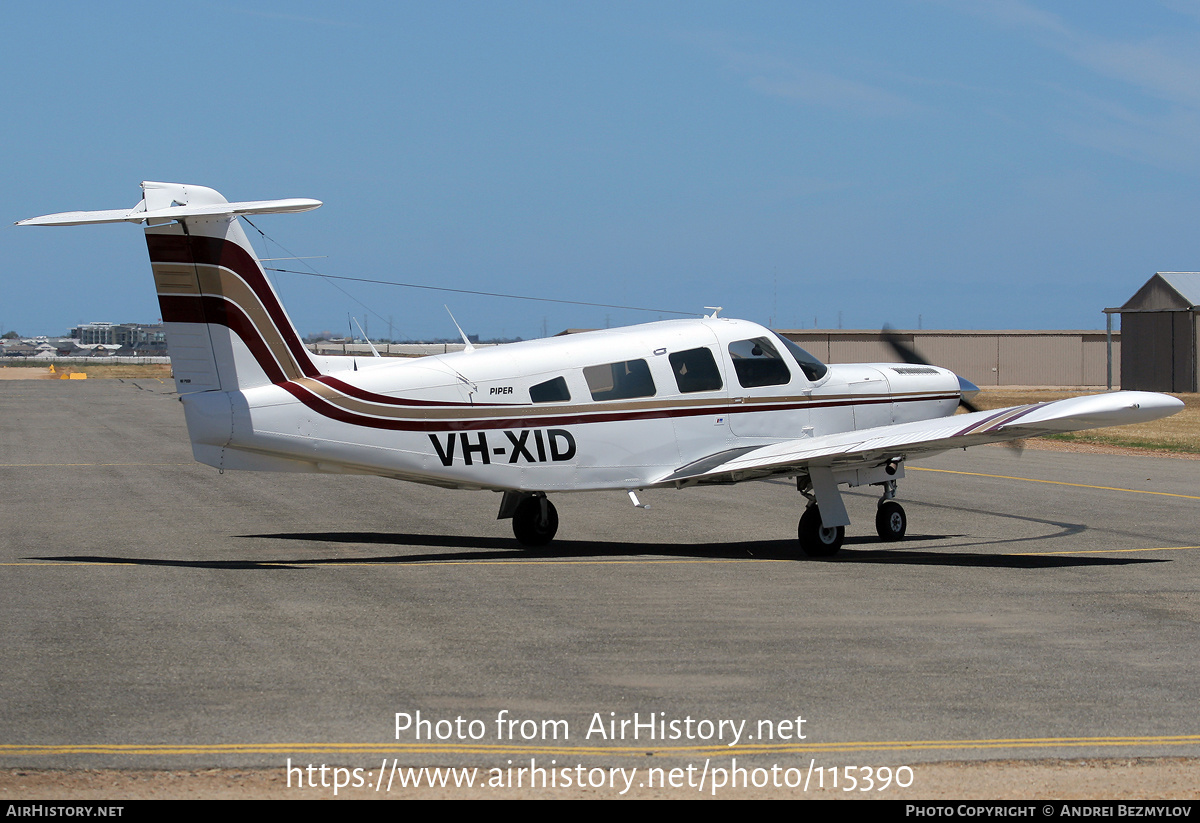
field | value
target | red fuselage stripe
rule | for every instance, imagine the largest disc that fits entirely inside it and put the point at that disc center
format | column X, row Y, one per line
column 219, row 311
column 324, row 407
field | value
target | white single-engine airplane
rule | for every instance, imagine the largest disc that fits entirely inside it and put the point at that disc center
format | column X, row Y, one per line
column 673, row 403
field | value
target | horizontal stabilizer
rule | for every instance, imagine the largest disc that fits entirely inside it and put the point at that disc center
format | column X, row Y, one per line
column 140, row 214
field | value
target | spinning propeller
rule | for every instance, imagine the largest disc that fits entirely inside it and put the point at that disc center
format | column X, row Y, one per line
column 910, row 355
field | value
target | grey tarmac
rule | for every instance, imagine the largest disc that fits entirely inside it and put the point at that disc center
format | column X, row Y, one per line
column 160, row 615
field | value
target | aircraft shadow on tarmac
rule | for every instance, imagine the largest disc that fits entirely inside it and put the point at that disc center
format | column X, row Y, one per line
column 856, row 549
column 859, row 549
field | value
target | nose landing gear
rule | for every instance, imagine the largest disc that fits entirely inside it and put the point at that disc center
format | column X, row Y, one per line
column 890, row 521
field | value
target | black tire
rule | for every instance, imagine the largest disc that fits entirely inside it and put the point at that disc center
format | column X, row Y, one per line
column 528, row 525
column 890, row 521
column 815, row 539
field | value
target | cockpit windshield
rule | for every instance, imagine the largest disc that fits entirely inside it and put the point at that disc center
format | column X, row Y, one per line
column 813, row 368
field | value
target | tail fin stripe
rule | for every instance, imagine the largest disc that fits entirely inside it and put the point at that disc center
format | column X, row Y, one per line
column 213, row 251
column 213, row 281
column 211, row 309
column 209, row 288
column 225, row 274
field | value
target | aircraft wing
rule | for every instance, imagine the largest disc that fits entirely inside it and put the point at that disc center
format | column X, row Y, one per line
column 925, row 437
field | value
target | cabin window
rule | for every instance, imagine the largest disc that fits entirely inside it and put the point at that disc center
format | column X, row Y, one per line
column 620, row 381
column 758, row 363
column 695, row 370
column 552, row 391
column 813, row 368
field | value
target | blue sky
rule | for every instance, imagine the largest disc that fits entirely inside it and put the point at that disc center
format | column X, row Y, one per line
column 994, row 164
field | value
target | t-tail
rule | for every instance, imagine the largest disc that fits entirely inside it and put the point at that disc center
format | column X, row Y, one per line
column 226, row 329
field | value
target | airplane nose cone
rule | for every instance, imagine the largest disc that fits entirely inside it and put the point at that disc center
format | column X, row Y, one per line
column 966, row 387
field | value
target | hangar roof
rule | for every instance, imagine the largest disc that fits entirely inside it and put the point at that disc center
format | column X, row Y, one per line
column 1165, row 291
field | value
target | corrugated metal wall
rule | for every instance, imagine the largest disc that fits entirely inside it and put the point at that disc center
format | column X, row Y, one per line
column 1161, row 350
column 1147, row 357
column 988, row 358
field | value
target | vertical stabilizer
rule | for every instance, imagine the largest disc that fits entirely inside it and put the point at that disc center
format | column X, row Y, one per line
column 226, row 329
column 225, row 325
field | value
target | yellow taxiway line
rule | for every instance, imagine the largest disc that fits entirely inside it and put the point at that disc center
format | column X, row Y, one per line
column 1052, row 482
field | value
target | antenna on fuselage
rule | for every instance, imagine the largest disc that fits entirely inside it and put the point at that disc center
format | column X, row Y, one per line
column 715, row 311
column 374, row 351
column 461, row 333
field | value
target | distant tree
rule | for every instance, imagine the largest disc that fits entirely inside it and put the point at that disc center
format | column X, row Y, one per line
column 9, row 335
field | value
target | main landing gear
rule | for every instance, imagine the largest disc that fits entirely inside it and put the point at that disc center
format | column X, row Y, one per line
column 535, row 521
column 819, row 540
column 815, row 539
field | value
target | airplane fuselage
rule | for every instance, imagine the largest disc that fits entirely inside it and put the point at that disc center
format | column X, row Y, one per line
column 674, row 403
column 612, row 409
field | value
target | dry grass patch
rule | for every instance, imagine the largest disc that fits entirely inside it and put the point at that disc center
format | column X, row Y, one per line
column 161, row 371
column 38, row 370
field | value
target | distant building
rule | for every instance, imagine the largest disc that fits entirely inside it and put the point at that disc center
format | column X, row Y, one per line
column 1160, row 327
column 141, row 338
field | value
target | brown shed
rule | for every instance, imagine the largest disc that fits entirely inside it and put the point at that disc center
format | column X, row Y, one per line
column 1159, row 328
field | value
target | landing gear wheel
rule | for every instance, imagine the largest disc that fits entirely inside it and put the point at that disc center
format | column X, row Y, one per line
column 890, row 521
column 530, row 527
column 815, row 539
